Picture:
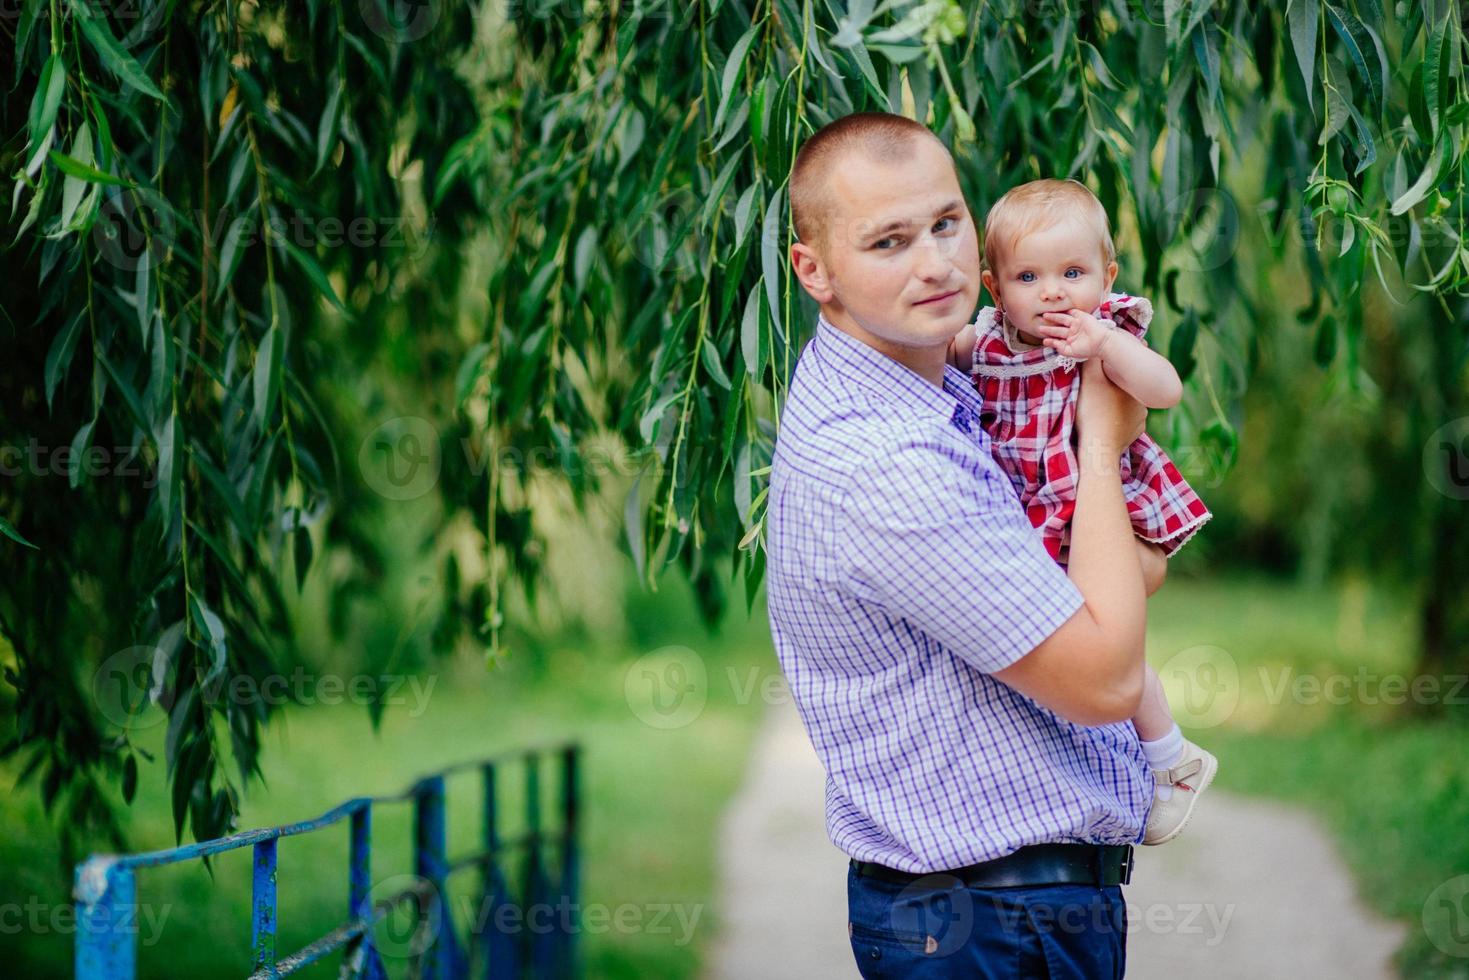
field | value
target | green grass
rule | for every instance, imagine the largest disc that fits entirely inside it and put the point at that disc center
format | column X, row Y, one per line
column 652, row 801
column 1390, row 783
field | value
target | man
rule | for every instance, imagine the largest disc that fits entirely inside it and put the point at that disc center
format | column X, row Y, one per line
column 968, row 699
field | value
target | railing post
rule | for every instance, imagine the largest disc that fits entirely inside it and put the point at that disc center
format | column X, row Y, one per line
column 443, row 960
column 365, row 959
column 107, row 936
column 540, row 935
column 567, row 965
column 497, row 945
column 263, row 908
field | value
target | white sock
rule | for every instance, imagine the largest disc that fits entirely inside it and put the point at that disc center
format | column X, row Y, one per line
column 1162, row 753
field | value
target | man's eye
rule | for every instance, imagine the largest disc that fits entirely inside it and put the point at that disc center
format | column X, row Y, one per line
column 1026, row 277
column 943, row 223
column 1079, row 273
column 885, row 243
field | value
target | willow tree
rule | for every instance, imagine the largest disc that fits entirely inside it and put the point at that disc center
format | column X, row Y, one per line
column 624, row 163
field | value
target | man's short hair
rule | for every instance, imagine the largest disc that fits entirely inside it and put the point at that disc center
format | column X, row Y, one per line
column 1038, row 205
column 881, row 136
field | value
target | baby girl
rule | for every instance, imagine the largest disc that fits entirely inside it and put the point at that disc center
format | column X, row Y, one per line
column 1049, row 262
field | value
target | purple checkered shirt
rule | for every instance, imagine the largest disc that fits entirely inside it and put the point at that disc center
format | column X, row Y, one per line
column 902, row 572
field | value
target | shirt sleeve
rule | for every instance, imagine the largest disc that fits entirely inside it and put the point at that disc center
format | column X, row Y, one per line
column 1131, row 313
column 934, row 535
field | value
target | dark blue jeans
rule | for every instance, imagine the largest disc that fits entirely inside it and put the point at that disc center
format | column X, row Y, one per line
column 938, row 927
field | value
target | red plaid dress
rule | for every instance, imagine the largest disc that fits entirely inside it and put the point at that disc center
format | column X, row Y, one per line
column 1029, row 397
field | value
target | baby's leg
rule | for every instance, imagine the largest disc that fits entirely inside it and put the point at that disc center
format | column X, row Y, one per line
column 1155, row 565
column 1153, row 719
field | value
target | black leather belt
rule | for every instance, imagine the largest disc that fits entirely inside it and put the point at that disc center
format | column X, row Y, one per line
column 1035, row 864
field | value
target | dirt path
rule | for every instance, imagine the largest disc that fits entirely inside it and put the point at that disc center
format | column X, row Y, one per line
column 1251, row 890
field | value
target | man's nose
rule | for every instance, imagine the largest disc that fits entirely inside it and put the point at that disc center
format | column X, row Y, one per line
column 933, row 261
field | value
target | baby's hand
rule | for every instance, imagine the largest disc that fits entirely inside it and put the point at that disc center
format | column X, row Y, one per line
column 1075, row 334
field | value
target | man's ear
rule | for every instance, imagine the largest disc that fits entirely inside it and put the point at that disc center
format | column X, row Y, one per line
column 811, row 271
column 988, row 278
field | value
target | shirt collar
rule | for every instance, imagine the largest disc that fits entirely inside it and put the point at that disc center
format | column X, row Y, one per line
column 875, row 370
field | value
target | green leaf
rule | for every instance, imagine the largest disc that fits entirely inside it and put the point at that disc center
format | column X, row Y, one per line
column 79, row 445
column 1099, row 67
column 1436, row 76
column 1303, row 17
column 58, row 358
column 168, row 444
column 585, row 253
column 82, row 171
column 1356, row 37
column 302, row 549
column 129, row 779
column 212, row 628
column 110, row 53
column 744, row 211
column 1323, row 350
column 710, row 356
column 732, row 68
column 469, row 371
column 772, row 242
column 231, row 252
column 1181, row 345
column 326, row 130
column 649, row 422
column 44, row 106
column 750, row 332
column 1438, row 161
column 267, row 375
column 8, row 529
column 308, row 264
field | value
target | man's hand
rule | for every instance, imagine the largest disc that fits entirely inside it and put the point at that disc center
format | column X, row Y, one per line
column 1075, row 334
column 1107, row 418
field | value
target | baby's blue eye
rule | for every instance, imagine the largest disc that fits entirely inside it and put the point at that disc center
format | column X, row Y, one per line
column 1071, row 270
column 1027, row 277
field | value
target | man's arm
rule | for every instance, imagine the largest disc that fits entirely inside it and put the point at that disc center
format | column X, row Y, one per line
column 1090, row 670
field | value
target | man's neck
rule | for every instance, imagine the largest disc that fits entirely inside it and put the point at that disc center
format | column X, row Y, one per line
column 926, row 362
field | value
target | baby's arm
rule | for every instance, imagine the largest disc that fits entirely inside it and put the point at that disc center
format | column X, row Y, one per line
column 961, row 349
column 1131, row 365
column 1155, row 565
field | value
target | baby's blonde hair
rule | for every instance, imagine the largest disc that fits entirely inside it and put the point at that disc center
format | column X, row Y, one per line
column 1038, row 205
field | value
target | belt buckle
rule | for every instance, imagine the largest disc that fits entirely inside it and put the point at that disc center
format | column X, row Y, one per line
column 1103, row 865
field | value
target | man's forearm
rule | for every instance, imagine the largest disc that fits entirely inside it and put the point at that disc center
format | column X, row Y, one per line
column 1103, row 561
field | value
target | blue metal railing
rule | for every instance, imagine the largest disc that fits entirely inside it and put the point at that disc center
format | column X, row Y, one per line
column 106, row 889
